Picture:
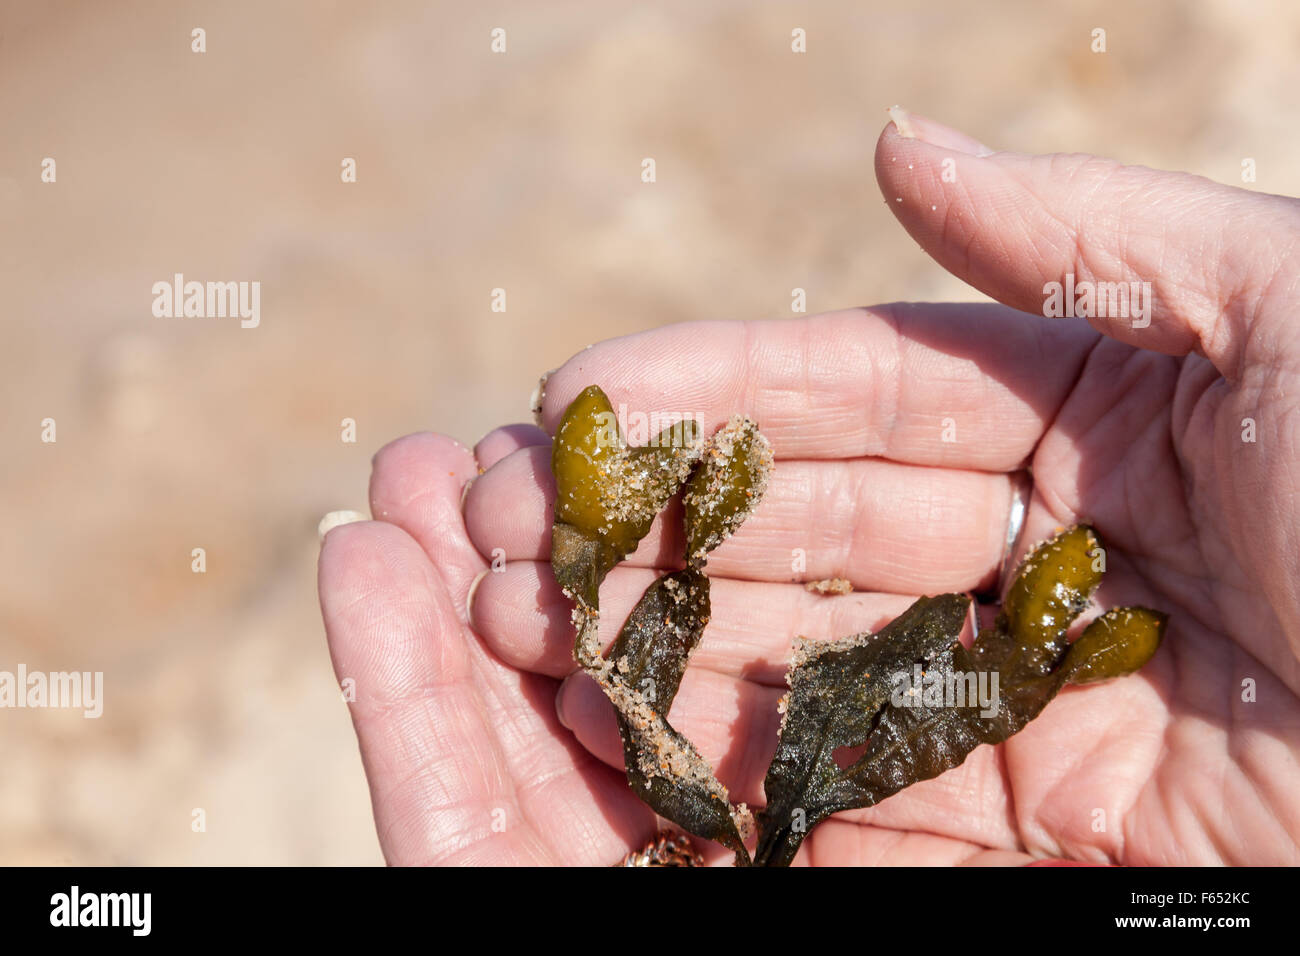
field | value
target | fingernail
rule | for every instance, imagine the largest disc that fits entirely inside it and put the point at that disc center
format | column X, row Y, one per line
column 538, row 396
column 469, row 596
column 559, row 709
column 336, row 518
column 911, row 126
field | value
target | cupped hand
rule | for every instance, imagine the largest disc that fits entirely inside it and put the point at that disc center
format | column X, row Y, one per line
column 897, row 431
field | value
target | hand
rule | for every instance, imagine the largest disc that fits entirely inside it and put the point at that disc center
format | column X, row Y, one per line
column 896, row 431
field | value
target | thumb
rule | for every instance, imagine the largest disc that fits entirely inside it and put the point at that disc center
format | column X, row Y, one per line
column 1164, row 261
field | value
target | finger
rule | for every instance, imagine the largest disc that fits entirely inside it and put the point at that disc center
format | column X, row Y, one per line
column 840, row 842
column 1008, row 223
column 465, row 759
column 425, row 746
column 470, row 743
column 416, row 483
column 500, row 442
column 884, row 526
column 912, row 383
column 524, row 617
column 734, row 724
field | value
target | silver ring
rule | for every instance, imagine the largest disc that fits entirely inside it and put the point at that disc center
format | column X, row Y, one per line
column 1022, row 489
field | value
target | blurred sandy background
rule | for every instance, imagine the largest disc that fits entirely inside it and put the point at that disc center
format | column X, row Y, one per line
column 476, row 171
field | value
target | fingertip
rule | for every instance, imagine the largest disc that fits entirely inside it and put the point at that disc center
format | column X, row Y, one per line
column 419, row 457
column 417, row 484
column 500, row 442
column 469, row 596
column 360, row 564
column 336, row 519
column 1138, row 253
column 510, row 506
column 582, row 706
column 905, row 125
column 608, row 364
column 338, row 546
column 389, row 621
column 559, row 710
column 560, row 387
column 359, row 555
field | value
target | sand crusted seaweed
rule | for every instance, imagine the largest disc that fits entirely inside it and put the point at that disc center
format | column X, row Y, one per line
column 843, row 693
column 731, row 480
column 606, row 498
column 830, row 586
column 859, row 692
column 641, row 674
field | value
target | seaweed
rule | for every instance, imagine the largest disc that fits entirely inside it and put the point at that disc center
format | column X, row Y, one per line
column 919, row 701
column 909, row 701
column 606, row 498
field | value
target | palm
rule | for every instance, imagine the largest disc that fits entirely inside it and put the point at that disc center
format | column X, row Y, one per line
column 1165, row 754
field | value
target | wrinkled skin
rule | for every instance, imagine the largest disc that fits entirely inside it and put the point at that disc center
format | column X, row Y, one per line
column 1137, row 430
